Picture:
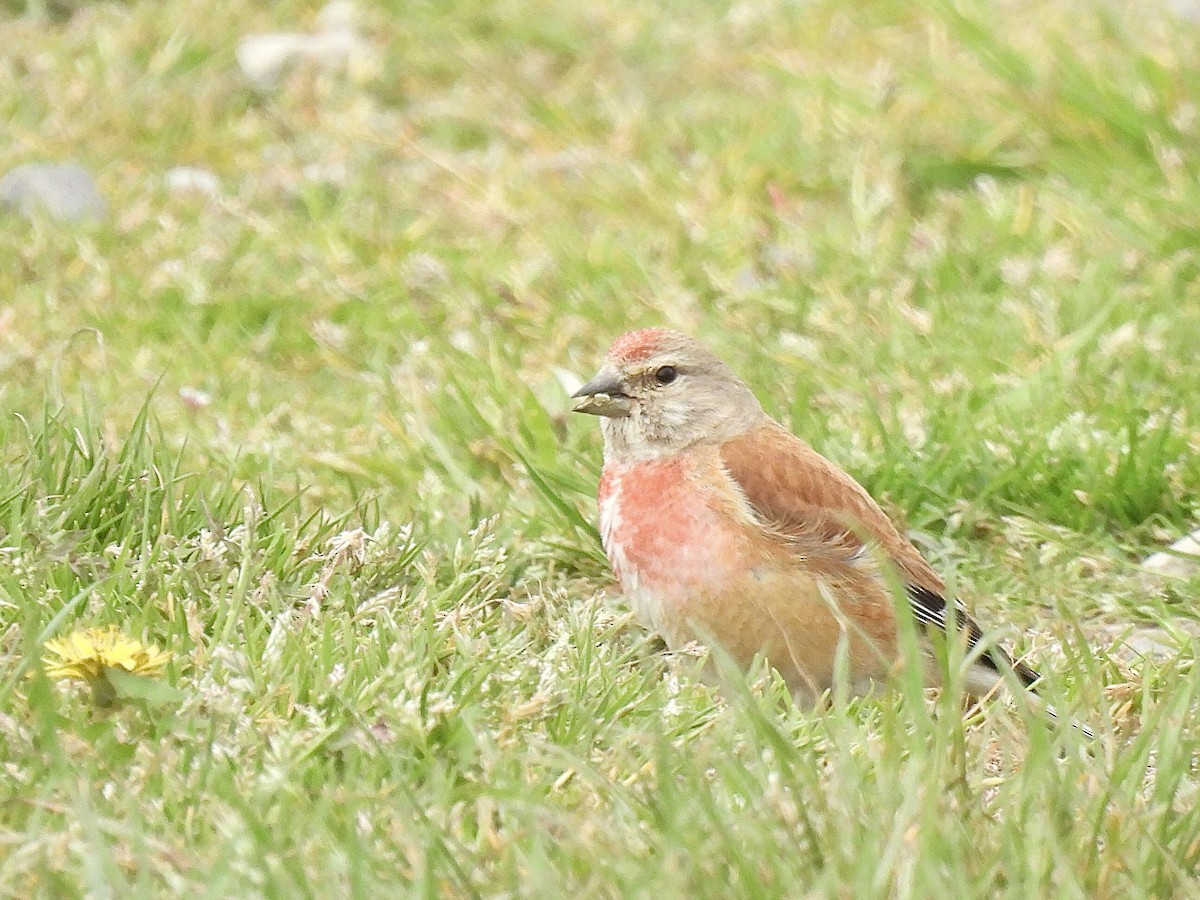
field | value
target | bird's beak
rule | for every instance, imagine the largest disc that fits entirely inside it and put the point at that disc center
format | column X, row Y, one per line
column 604, row 395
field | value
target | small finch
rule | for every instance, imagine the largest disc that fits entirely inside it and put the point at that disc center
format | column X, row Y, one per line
column 721, row 526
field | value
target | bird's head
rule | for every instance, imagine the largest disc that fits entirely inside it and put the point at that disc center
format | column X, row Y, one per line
column 659, row 392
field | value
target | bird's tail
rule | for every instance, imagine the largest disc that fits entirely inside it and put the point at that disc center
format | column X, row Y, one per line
column 986, row 675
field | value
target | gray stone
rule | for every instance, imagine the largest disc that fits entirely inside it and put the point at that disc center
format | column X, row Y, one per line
column 336, row 45
column 64, row 191
column 1152, row 642
column 1181, row 559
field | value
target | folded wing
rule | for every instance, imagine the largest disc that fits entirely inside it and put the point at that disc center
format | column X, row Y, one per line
column 829, row 517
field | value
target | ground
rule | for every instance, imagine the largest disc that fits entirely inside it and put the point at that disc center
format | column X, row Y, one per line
column 311, row 437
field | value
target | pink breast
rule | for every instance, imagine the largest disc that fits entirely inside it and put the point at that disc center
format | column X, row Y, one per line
column 659, row 530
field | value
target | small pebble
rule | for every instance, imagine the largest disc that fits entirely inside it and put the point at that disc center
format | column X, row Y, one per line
column 194, row 398
column 1152, row 642
column 335, row 45
column 1181, row 559
column 189, row 180
column 64, row 191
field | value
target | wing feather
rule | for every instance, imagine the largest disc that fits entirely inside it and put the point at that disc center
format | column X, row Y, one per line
column 798, row 491
column 808, row 499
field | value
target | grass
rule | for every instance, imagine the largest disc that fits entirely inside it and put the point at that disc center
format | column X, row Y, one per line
column 312, row 437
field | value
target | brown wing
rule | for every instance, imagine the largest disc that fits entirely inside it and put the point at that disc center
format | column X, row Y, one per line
column 800, row 492
column 805, row 496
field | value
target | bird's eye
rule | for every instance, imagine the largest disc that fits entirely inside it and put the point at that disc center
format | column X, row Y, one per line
column 666, row 374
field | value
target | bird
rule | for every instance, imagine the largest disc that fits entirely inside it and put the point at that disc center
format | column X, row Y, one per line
column 722, row 527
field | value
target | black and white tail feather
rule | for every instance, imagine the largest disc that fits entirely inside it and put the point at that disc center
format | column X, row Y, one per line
column 990, row 661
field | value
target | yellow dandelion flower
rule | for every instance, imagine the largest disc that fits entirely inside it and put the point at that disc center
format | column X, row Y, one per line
column 88, row 654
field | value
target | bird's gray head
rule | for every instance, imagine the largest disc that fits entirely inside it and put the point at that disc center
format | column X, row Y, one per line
column 659, row 392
